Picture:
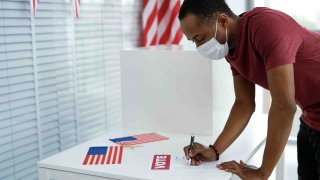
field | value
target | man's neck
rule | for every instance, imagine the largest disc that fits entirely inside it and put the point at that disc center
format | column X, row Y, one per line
column 233, row 30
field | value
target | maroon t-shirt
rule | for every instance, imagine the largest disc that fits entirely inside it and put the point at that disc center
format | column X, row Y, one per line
column 270, row 38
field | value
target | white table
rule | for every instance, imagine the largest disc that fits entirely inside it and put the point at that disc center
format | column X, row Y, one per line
column 136, row 163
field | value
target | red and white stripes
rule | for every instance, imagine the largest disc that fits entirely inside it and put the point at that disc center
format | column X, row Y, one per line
column 76, row 6
column 144, row 138
column 34, row 6
column 160, row 22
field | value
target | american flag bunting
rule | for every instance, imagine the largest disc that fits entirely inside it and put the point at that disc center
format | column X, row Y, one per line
column 34, row 6
column 76, row 6
column 160, row 22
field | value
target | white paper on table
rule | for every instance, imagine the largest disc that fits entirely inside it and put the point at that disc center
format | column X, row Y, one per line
column 180, row 163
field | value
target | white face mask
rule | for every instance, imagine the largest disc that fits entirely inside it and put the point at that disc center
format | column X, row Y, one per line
column 212, row 49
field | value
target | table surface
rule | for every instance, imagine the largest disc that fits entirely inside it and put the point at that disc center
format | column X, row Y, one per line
column 136, row 163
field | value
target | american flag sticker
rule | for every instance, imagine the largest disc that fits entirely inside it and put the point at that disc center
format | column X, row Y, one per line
column 139, row 139
column 104, row 155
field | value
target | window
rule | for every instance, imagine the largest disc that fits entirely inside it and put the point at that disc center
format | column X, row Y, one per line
column 59, row 79
column 306, row 12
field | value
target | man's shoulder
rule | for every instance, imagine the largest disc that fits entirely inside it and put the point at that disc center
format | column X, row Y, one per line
column 263, row 13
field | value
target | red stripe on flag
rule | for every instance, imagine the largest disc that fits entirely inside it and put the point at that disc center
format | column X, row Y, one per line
column 115, row 154
column 76, row 7
column 85, row 162
column 109, row 156
column 120, row 155
column 145, row 138
column 154, row 40
column 145, row 3
column 103, row 159
column 92, row 159
column 98, row 159
column 177, row 37
column 165, row 37
column 34, row 7
column 167, row 33
column 150, row 20
column 163, row 10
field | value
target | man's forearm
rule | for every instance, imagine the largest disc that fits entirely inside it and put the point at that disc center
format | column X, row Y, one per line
column 279, row 127
column 238, row 119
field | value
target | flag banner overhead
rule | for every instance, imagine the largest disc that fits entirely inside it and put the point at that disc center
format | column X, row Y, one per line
column 160, row 22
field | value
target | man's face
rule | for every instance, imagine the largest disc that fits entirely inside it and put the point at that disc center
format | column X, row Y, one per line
column 196, row 30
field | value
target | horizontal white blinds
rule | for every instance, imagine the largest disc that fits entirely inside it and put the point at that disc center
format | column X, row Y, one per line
column 90, row 71
column 131, row 23
column 112, row 29
column 60, row 88
column 19, row 148
column 56, row 81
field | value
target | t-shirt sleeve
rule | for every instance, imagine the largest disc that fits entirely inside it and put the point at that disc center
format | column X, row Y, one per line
column 275, row 36
column 234, row 71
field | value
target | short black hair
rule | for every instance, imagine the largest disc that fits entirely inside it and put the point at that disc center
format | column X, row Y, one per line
column 203, row 8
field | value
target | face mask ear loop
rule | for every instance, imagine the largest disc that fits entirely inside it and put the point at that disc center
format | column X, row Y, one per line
column 215, row 34
column 226, row 35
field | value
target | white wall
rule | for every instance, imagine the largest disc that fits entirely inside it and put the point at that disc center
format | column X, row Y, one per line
column 238, row 6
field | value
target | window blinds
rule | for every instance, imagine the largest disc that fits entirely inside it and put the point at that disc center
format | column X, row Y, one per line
column 112, row 29
column 56, row 81
column 59, row 79
column 19, row 145
column 90, row 70
column 131, row 10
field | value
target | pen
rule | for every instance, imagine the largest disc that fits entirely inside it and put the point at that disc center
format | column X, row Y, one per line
column 191, row 145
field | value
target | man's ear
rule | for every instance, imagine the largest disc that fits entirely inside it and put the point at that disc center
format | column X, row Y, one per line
column 223, row 19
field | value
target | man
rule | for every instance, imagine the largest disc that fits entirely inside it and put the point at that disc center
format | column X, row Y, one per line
column 268, row 48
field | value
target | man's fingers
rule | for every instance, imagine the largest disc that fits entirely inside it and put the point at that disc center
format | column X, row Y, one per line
column 229, row 165
column 237, row 172
column 246, row 165
column 195, row 161
column 197, row 149
column 186, row 152
column 232, row 167
column 200, row 157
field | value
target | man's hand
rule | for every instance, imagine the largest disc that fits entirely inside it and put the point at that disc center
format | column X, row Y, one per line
column 199, row 153
column 244, row 171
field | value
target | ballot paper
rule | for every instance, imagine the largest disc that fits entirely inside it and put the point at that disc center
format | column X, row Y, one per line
column 181, row 163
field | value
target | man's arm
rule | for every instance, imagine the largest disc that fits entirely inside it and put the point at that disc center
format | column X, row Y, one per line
column 240, row 113
column 239, row 116
column 282, row 110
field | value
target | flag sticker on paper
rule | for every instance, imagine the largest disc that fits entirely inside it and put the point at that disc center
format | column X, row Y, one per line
column 139, row 139
column 104, row 155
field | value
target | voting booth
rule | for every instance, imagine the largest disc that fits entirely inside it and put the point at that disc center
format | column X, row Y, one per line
column 167, row 95
column 166, row 90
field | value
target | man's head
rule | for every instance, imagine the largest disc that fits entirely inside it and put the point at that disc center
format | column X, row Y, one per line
column 198, row 20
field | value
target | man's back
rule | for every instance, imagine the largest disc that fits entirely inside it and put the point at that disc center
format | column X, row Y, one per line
column 270, row 38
